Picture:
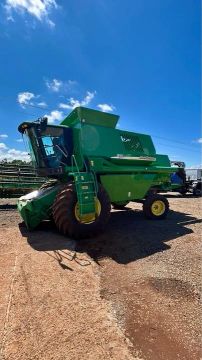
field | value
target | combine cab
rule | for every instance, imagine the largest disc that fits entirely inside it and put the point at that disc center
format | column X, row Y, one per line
column 92, row 165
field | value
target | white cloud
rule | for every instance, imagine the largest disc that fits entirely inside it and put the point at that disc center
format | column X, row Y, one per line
column 25, row 97
column 42, row 103
column 55, row 115
column 12, row 154
column 54, row 85
column 88, row 98
column 40, row 9
column 50, row 23
column 3, row 146
column 197, row 166
column 19, row 140
column 106, row 107
column 10, row 18
column 199, row 140
column 3, row 136
column 73, row 103
column 65, row 106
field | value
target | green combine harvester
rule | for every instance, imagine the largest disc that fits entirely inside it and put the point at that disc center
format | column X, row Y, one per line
column 91, row 165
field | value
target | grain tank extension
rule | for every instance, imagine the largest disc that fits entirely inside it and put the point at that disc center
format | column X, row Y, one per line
column 91, row 165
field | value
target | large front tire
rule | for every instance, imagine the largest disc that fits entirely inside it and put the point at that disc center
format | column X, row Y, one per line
column 65, row 213
column 156, row 207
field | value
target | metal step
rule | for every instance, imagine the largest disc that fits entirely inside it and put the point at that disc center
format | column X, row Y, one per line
column 86, row 192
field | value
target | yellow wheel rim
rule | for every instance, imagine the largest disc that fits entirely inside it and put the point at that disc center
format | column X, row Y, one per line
column 87, row 218
column 158, row 208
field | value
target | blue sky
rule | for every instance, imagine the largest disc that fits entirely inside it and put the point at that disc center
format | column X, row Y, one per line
column 139, row 59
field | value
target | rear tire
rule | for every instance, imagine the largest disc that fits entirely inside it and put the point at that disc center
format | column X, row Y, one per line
column 64, row 214
column 197, row 191
column 156, row 207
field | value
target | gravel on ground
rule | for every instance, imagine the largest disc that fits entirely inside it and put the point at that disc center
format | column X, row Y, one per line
column 131, row 293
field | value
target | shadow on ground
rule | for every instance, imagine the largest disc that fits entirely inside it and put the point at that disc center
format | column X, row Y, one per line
column 180, row 196
column 128, row 236
column 8, row 206
column 47, row 239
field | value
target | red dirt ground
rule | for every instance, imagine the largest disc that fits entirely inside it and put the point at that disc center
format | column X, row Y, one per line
column 131, row 293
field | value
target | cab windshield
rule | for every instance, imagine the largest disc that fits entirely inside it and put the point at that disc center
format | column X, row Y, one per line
column 50, row 147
